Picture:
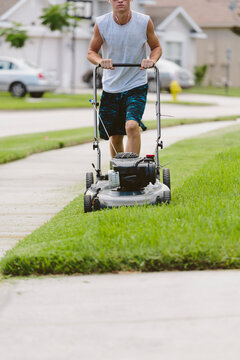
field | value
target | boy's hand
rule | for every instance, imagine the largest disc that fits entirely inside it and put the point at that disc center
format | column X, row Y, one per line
column 106, row 64
column 146, row 64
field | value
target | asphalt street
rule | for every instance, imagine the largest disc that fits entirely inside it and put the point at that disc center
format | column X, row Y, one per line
column 169, row 315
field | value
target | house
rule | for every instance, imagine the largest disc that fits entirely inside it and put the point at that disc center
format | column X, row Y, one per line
column 53, row 50
column 220, row 48
column 177, row 33
column 49, row 50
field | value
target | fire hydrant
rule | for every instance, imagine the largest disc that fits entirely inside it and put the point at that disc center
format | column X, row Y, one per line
column 175, row 89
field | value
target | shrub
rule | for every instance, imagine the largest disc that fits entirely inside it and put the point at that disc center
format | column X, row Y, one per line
column 200, row 72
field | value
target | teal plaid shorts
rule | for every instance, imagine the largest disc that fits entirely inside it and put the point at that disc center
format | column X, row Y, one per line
column 117, row 108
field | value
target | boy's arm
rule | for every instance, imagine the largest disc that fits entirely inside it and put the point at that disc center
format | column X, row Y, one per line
column 93, row 50
column 156, row 50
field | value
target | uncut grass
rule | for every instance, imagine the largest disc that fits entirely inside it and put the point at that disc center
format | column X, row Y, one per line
column 199, row 230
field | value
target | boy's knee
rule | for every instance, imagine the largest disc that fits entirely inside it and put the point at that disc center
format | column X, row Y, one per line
column 132, row 127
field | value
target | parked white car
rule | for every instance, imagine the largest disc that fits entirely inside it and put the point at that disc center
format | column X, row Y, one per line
column 170, row 71
column 20, row 77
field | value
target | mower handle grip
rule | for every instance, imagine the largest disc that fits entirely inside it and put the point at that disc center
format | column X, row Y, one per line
column 125, row 65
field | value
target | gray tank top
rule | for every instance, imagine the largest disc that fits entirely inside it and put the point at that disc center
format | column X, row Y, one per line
column 123, row 44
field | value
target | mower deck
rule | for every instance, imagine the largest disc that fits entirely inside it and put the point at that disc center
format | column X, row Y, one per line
column 102, row 196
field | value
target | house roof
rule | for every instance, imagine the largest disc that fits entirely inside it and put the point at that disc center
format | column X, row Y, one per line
column 9, row 8
column 168, row 14
column 161, row 15
column 206, row 13
column 6, row 5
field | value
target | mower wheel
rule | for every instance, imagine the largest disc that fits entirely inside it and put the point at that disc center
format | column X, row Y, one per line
column 166, row 197
column 87, row 203
column 96, row 204
column 89, row 180
column 166, row 177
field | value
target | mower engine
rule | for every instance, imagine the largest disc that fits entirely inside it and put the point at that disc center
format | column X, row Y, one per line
column 129, row 172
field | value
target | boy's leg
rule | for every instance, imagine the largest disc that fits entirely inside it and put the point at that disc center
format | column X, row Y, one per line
column 110, row 115
column 117, row 141
column 133, row 137
column 135, row 105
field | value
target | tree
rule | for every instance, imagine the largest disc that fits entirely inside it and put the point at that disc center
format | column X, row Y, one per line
column 14, row 35
column 58, row 17
column 63, row 17
column 199, row 73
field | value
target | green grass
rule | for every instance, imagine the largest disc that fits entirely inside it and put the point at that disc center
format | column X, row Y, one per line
column 20, row 146
column 198, row 230
column 211, row 90
column 48, row 101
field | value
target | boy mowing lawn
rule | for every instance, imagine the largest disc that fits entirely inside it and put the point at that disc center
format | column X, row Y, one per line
column 123, row 35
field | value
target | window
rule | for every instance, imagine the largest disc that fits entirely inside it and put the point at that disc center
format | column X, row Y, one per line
column 12, row 66
column 174, row 52
column 7, row 65
column 4, row 65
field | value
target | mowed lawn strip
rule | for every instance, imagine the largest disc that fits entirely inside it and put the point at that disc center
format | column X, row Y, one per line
column 20, row 146
column 47, row 102
column 198, row 230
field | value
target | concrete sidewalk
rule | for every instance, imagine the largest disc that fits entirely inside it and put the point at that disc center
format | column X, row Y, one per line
column 169, row 316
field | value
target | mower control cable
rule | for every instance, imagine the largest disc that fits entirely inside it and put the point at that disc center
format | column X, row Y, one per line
column 95, row 107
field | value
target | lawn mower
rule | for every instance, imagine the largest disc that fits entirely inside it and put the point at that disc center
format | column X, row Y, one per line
column 131, row 179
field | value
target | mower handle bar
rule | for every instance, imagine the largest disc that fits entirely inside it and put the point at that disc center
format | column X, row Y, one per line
column 124, row 65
